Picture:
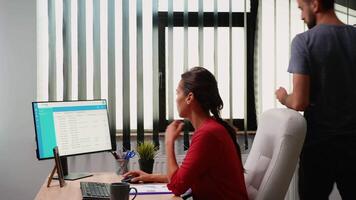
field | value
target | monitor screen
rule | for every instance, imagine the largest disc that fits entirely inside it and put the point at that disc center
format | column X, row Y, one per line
column 76, row 127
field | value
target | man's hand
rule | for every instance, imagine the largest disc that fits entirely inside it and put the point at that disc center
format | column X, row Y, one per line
column 281, row 95
column 173, row 131
column 298, row 99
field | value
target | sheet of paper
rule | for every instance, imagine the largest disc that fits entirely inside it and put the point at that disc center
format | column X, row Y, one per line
column 150, row 189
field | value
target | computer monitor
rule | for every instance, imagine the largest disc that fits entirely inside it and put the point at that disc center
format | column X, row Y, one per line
column 75, row 127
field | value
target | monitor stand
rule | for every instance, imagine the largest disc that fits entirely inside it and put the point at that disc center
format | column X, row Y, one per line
column 71, row 176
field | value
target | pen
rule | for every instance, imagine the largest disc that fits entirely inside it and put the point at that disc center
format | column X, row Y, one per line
column 115, row 155
column 129, row 154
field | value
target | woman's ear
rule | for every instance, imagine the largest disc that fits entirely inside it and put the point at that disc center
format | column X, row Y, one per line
column 189, row 98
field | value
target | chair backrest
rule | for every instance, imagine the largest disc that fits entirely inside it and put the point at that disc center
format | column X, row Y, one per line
column 275, row 151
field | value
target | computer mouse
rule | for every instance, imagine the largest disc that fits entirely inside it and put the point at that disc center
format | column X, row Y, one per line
column 127, row 179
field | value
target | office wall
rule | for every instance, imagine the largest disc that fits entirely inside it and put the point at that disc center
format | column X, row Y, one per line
column 20, row 173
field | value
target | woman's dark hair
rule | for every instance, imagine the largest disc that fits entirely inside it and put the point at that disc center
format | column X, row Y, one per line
column 203, row 85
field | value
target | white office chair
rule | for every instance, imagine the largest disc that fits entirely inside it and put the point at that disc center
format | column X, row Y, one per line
column 275, row 151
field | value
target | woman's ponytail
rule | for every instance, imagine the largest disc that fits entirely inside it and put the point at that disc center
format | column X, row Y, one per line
column 204, row 86
column 229, row 129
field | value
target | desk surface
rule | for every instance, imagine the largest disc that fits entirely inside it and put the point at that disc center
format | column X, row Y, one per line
column 72, row 189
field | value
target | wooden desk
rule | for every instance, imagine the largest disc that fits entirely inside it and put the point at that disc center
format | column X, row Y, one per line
column 71, row 190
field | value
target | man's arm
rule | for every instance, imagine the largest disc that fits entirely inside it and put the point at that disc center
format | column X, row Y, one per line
column 299, row 98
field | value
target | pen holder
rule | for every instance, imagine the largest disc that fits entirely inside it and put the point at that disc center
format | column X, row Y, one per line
column 122, row 166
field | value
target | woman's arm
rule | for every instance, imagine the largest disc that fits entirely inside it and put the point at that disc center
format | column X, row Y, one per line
column 159, row 178
column 172, row 164
column 200, row 156
column 172, row 133
column 145, row 177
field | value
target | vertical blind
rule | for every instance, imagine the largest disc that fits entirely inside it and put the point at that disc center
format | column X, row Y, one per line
column 108, row 49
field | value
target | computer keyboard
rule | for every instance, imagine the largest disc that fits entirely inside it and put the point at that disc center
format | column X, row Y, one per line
column 95, row 190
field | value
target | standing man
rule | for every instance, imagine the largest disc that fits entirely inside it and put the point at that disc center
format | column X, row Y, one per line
column 323, row 64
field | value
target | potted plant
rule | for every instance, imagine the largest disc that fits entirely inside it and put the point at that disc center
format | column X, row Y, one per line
column 146, row 152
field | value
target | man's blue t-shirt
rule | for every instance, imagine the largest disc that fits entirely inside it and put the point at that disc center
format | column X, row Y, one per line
column 327, row 53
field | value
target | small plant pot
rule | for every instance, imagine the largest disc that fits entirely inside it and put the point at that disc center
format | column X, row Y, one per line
column 146, row 165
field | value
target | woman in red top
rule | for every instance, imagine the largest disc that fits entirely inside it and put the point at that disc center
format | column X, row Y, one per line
column 212, row 168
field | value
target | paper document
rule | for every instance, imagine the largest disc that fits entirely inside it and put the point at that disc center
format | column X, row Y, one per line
column 150, row 189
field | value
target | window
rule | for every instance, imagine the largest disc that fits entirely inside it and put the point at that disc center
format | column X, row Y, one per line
column 221, row 70
column 93, row 49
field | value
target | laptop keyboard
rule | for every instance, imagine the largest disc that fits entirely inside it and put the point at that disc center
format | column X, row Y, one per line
column 95, row 190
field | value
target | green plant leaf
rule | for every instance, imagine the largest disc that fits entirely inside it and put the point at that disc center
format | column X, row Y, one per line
column 146, row 150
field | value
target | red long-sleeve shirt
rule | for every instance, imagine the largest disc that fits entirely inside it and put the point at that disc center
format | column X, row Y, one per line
column 211, row 168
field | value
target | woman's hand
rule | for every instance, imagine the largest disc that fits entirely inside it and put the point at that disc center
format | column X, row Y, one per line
column 173, row 131
column 139, row 176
